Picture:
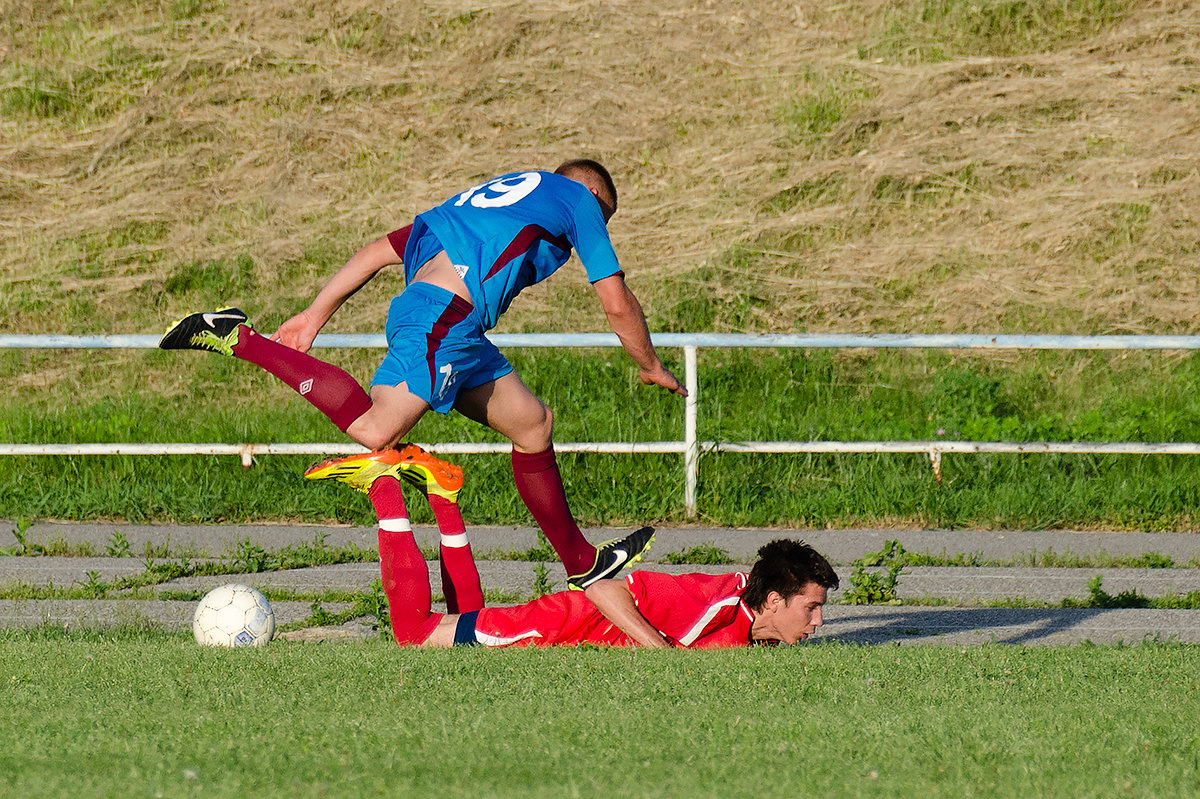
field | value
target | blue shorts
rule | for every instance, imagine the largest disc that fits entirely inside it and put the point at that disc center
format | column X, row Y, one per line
column 464, row 629
column 436, row 347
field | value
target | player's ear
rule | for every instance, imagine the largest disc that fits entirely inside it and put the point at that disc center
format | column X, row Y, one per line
column 605, row 208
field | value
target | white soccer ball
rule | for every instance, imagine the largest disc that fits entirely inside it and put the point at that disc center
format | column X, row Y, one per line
column 233, row 615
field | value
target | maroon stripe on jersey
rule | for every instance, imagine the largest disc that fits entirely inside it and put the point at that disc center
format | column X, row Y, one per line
column 399, row 239
column 455, row 312
column 522, row 242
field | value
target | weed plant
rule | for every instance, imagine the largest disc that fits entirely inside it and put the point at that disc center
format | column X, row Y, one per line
column 876, row 577
column 245, row 557
column 1049, row 559
column 1099, row 598
column 875, row 580
column 704, row 554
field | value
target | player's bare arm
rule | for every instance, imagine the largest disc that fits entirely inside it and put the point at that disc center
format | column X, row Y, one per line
column 627, row 320
column 299, row 331
column 614, row 599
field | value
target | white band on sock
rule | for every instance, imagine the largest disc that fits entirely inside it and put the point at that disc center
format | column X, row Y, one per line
column 400, row 525
column 459, row 540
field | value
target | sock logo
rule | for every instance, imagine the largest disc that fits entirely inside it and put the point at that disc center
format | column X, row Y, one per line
column 306, row 386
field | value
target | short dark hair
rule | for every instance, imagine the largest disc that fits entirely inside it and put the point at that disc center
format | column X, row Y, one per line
column 576, row 165
column 786, row 567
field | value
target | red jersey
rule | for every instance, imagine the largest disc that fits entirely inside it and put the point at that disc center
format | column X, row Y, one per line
column 700, row 611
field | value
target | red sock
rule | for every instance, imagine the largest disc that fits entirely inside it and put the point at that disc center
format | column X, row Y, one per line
column 460, row 576
column 388, row 499
column 332, row 391
column 540, row 486
column 402, row 567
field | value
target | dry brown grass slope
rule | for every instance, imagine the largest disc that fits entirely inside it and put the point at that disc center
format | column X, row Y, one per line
column 776, row 174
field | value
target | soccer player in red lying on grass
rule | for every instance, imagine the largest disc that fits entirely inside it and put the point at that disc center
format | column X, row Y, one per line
column 779, row 601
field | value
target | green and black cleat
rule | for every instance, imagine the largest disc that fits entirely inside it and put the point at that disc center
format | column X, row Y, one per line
column 612, row 556
column 215, row 331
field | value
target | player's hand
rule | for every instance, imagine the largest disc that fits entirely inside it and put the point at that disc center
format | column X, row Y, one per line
column 297, row 332
column 662, row 376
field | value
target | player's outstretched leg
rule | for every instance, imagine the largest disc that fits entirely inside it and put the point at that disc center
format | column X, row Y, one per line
column 440, row 482
column 329, row 389
column 402, row 569
column 216, row 331
column 612, row 556
column 437, row 480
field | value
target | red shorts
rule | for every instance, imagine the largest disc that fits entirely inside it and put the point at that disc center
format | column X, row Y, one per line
column 565, row 618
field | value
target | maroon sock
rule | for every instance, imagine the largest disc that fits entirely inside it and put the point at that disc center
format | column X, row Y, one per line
column 541, row 487
column 334, row 392
column 402, row 567
column 460, row 576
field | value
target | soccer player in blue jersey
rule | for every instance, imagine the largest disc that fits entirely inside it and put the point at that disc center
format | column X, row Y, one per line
column 464, row 263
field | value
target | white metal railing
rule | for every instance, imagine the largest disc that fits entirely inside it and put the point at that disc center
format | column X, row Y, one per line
column 690, row 447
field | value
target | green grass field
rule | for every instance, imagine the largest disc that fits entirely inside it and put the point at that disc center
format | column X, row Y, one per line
column 112, row 716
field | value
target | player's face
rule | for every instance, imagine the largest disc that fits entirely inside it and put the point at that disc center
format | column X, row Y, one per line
column 795, row 619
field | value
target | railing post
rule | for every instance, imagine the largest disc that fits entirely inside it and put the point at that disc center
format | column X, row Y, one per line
column 691, row 446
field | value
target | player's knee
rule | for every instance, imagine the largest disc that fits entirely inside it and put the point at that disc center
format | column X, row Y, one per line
column 370, row 433
column 543, row 430
column 377, row 441
column 536, row 432
column 370, row 440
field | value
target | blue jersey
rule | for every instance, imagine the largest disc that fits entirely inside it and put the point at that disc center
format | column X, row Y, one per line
column 512, row 232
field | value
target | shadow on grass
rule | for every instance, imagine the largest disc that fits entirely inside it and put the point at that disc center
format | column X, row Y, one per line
column 884, row 625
